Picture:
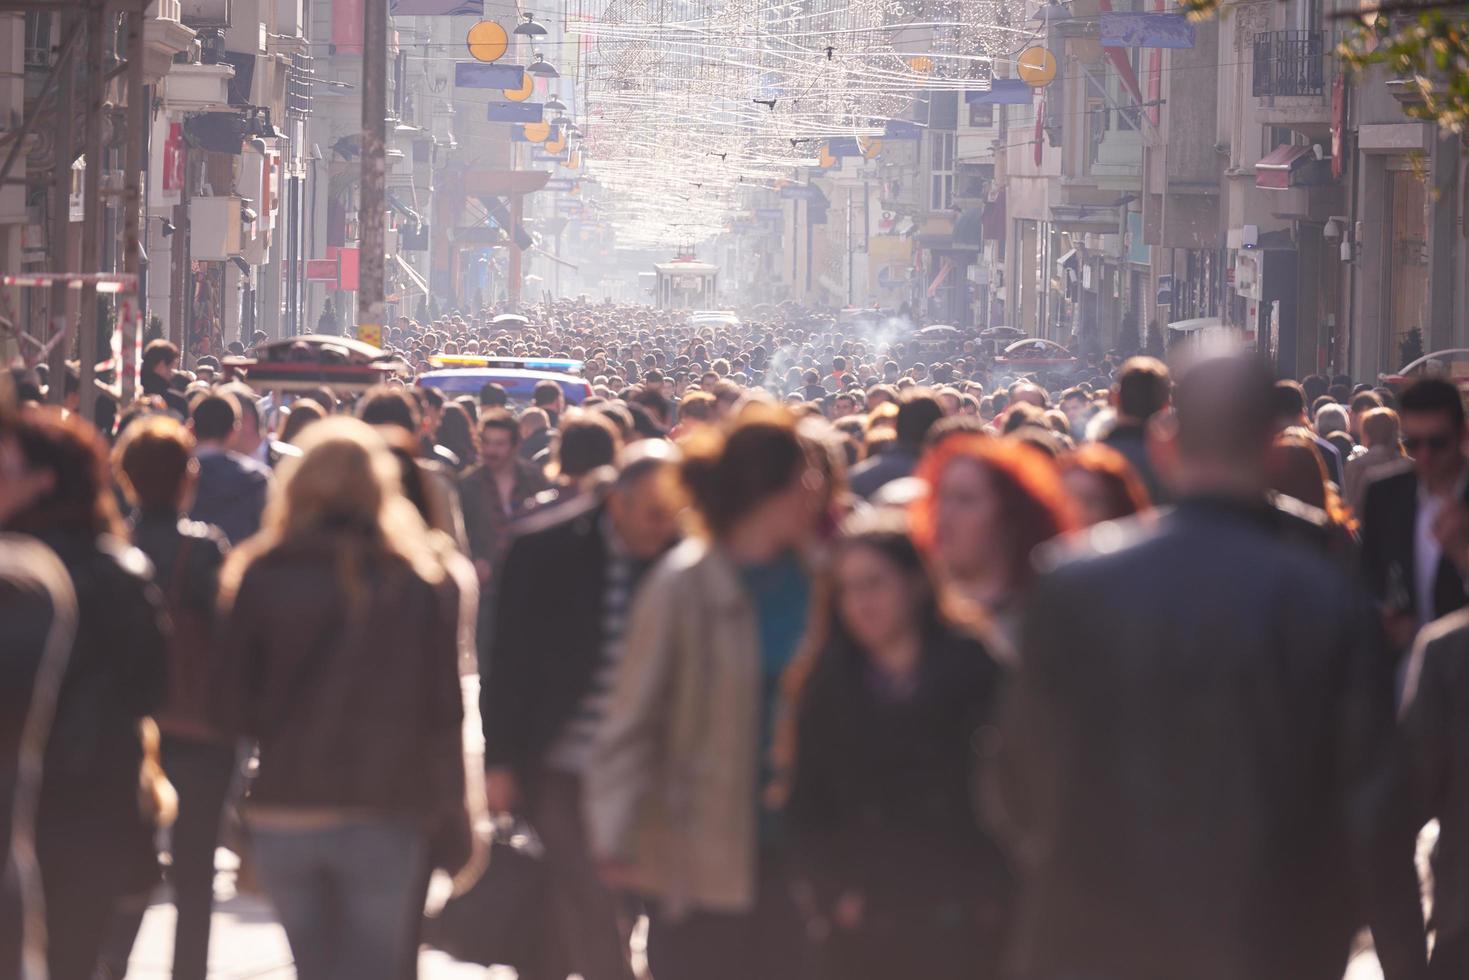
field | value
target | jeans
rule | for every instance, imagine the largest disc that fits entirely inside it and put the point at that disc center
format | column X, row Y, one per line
column 202, row 773
column 350, row 895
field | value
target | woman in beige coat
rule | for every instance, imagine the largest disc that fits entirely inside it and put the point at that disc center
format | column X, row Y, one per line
column 675, row 799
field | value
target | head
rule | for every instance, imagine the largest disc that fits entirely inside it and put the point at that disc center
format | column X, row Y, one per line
column 1289, row 402
column 156, row 465
column 68, row 458
column 1142, row 390
column 215, row 420
column 917, row 413
column 499, row 438
column 588, row 441
column 881, row 592
column 1380, row 428
column 1432, row 418
column 1296, row 468
column 390, row 407
column 1224, row 420
column 753, row 482
column 1102, row 484
column 647, row 497
column 1331, row 418
column 160, row 358
column 492, row 395
column 533, row 420
column 990, row 503
column 548, row 397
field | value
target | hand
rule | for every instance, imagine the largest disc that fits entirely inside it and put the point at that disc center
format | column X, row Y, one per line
column 1451, row 530
column 848, row 910
column 502, row 790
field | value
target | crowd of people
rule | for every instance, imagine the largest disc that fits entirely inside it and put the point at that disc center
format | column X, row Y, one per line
column 832, row 656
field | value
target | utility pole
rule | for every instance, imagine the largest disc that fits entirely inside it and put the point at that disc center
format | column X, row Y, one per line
column 371, row 194
column 92, row 225
column 60, row 233
column 132, row 202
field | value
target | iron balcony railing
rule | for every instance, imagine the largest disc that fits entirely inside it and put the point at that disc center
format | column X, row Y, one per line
column 1290, row 63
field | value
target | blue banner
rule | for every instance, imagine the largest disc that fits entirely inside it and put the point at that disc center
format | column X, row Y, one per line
column 770, row 214
column 1002, row 91
column 560, row 184
column 1145, row 30
column 844, row 146
column 515, row 112
column 803, row 192
column 902, row 129
column 477, row 74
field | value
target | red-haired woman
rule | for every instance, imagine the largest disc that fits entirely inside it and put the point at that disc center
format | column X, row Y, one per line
column 990, row 504
column 1103, row 485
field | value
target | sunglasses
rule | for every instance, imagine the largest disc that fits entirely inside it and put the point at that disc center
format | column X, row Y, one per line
column 1435, row 444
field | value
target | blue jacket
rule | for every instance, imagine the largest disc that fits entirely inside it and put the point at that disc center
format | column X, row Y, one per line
column 231, row 493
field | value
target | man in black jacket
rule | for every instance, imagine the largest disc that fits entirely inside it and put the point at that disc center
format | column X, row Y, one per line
column 561, row 614
column 1415, row 525
column 1195, row 753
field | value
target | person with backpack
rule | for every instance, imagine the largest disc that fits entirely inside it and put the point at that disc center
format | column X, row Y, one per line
column 158, row 472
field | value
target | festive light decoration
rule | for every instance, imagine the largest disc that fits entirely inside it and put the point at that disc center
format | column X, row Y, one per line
column 691, row 106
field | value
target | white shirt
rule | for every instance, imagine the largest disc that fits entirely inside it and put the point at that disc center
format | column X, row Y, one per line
column 1427, row 552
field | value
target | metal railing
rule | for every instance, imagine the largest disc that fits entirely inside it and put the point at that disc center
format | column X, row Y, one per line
column 1290, row 63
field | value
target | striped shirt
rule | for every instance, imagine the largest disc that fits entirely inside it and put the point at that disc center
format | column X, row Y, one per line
column 571, row 751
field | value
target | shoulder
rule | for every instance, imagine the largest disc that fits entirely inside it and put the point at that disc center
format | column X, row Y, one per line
column 125, row 560
column 208, row 538
column 1097, row 547
column 559, row 523
column 1391, row 485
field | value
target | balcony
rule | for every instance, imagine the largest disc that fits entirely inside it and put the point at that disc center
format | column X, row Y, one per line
column 1290, row 64
column 1291, row 71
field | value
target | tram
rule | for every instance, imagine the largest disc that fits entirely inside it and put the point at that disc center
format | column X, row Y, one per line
column 684, row 284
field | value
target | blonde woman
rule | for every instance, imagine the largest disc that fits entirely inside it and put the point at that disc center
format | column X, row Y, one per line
column 340, row 661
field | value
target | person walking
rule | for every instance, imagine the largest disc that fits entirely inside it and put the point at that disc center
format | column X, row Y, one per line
column 156, row 467
column 232, row 487
column 1195, row 755
column 94, row 836
column 340, row 660
column 903, row 877
column 570, row 578
column 713, row 629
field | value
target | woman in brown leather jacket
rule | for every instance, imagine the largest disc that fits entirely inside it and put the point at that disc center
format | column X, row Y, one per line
column 339, row 658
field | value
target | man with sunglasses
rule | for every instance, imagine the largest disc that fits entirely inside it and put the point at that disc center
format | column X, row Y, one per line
column 1415, row 525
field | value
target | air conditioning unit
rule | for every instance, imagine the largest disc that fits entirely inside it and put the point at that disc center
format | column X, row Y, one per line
column 214, row 228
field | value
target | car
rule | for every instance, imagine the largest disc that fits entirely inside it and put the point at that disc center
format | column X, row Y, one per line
column 313, row 360
column 519, row 383
column 1037, row 356
column 510, row 321
column 713, row 318
column 556, row 365
column 1452, row 363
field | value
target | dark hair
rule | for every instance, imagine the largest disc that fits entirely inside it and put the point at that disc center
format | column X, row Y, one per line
column 304, row 411
column 389, row 406
column 1288, row 400
column 1433, row 395
column 499, row 418
column 588, row 440
column 216, row 416
column 729, row 474
column 546, row 393
column 456, row 433
column 1225, row 409
column 153, row 461
column 323, row 396
column 1142, row 388
column 158, row 352
column 492, row 395
column 917, row 413
column 73, row 452
column 1365, row 401
column 697, row 406
column 654, row 402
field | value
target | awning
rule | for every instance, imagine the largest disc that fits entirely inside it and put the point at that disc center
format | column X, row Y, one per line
column 411, row 275
column 1069, row 258
column 1274, row 170
column 1198, row 323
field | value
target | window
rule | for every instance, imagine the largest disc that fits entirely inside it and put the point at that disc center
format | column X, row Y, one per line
column 38, row 40
column 941, row 165
column 981, row 116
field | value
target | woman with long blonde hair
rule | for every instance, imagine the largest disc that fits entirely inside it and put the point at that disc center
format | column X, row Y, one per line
column 340, row 661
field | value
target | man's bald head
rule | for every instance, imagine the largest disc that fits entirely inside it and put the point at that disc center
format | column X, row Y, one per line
column 1223, row 411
